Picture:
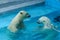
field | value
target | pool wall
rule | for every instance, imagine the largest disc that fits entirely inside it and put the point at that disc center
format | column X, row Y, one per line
column 53, row 3
column 7, row 6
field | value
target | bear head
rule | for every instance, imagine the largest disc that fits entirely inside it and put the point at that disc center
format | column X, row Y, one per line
column 24, row 14
column 44, row 20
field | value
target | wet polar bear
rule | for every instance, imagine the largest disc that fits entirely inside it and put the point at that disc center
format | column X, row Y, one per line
column 47, row 28
column 17, row 22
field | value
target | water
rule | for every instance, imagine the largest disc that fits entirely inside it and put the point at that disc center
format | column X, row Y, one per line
column 30, row 32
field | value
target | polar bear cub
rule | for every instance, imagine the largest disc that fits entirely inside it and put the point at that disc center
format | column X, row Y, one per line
column 17, row 21
column 46, row 21
column 47, row 28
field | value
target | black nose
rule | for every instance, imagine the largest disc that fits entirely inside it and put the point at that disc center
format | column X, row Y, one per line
column 29, row 16
column 38, row 22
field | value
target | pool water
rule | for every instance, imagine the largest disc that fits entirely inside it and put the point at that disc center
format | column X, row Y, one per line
column 28, row 33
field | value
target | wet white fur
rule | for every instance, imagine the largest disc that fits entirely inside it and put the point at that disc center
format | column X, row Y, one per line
column 17, row 21
column 46, row 21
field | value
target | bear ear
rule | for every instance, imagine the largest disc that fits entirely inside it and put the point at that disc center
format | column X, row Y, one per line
column 21, row 13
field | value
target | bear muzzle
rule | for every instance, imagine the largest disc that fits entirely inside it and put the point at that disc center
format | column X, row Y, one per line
column 38, row 22
column 28, row 16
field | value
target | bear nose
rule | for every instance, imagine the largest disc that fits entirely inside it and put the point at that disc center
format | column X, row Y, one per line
column 38, row 22
column 29, row 16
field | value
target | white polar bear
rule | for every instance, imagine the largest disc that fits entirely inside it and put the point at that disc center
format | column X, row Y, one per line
column 46, row 21
column 47, row 28
column 17, row 22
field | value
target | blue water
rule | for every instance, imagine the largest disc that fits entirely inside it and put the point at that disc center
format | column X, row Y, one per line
column 36, row 11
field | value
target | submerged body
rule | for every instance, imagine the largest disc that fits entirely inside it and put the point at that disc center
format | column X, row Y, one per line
column 50, row 34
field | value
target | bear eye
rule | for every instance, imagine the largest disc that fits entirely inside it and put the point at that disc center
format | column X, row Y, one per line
column 43, row 21
column 21, row 13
